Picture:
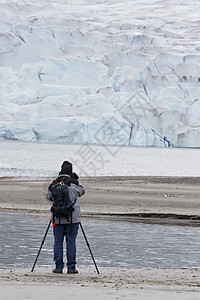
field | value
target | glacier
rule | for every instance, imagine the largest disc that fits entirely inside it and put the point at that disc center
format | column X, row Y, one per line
column 100, row 72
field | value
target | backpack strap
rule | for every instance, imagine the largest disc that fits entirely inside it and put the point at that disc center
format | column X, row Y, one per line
column 67, row 180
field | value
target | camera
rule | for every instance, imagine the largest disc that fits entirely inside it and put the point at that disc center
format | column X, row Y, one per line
column 75, row 176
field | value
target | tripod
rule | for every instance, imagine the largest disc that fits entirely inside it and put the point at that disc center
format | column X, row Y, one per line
column 87, row 243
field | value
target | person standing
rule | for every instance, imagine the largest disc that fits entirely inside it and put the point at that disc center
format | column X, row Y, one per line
column 66, row 228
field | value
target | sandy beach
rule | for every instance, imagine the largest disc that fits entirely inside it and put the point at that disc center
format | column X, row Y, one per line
column 142, row 199
column 112, row 283
column 163, row 198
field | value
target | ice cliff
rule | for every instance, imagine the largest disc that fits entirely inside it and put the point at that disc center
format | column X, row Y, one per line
column 100, row 72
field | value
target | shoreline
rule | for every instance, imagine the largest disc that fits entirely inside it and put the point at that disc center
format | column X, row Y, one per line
column 154, row 199
column 169, row 219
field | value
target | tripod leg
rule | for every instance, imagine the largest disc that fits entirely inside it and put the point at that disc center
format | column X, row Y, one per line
column 89, row 248
column 42, row 243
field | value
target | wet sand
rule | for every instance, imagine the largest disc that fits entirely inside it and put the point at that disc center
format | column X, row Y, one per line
column 137, row 198
column 163, row 198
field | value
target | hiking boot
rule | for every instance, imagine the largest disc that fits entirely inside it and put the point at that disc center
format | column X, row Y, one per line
column 58, row 271
column 72, row 271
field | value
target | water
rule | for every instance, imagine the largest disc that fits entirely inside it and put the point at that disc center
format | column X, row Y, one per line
column 26, row 159
column 113, row 243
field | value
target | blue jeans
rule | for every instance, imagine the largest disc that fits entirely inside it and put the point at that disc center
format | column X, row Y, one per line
column 60, row 231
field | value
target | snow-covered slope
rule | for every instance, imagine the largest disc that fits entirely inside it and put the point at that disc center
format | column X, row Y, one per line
column 102, row 72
